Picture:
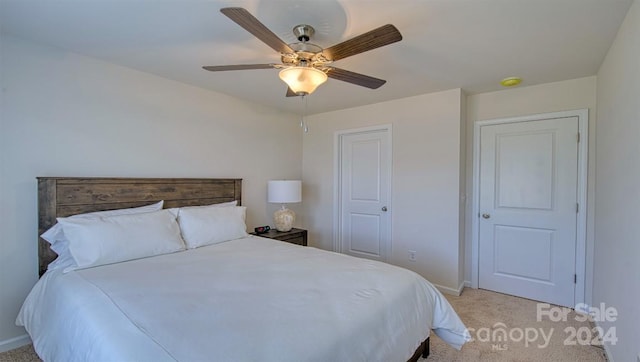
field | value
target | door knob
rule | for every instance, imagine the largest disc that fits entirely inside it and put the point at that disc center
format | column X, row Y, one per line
column 486, row 216
column 384, row 208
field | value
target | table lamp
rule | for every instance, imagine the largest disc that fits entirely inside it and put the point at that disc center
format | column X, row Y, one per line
column 284, row 192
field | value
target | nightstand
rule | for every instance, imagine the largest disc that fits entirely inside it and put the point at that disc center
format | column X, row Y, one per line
column 294, row 236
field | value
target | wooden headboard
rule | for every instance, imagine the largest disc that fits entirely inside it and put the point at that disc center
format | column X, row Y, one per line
column 66, row 196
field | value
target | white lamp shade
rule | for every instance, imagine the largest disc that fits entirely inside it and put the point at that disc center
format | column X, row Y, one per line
column 303, row 80
column 284, row 191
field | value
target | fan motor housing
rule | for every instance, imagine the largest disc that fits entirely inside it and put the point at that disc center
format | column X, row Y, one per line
column 304, row 53
column 303, row 32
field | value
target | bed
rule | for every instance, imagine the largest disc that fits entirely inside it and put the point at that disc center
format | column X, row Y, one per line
column 243, row 299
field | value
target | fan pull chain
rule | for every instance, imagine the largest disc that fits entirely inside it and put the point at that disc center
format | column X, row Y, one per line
column 303, row 124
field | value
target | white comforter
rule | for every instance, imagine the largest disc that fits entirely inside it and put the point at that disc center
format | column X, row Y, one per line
column 251, row 299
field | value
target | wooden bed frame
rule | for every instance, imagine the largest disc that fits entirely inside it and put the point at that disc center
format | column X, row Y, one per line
column 66, row 196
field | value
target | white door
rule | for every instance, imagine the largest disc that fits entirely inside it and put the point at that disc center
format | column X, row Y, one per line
column 365, row 177
column 528, row 209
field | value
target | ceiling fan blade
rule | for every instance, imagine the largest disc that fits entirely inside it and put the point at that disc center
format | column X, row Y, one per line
column 221, row 68
column 291, row 93
column 355, row 78
column 243, row 18
column 373, row 39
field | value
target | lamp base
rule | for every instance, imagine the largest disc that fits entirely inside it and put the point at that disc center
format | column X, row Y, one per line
column 284, row 219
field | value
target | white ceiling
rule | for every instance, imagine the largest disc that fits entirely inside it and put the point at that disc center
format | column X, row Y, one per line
column 468, row 44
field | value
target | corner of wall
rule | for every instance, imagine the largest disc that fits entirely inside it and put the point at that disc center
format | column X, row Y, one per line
column 462, row 212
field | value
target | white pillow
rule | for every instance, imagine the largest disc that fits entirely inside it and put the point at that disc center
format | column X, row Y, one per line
column 64, row 260
column 54, row 234
column 107, row 240
column 202, row 226
column 60, row 245
column 222, row 204
column 176, row 210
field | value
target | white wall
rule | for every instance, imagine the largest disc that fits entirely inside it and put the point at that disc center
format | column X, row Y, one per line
column 426, row 179
column 617, row 224
column 550, row 97
column 69, row 115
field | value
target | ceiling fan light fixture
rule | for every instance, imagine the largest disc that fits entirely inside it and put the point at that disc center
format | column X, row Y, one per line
column 305, row 65
column 303, row 80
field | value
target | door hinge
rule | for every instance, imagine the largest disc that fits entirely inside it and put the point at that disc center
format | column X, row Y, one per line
column 577, row 207
column 575, row 278
column 578, row 137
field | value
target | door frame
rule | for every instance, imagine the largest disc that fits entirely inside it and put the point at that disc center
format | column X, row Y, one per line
column 583, row 269
column 337, row 181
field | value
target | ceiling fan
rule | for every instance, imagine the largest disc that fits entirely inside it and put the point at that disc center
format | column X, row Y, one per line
column 305, row 65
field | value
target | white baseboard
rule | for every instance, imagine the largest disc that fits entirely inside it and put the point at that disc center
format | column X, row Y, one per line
column 450, row 291
column 467, row 283
column 13, row 343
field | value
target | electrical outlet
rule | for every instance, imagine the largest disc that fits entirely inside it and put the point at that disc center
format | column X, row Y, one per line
column 412, row 255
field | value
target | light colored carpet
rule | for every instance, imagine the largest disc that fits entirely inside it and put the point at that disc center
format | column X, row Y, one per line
column 482, row 311
column 22, row 354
